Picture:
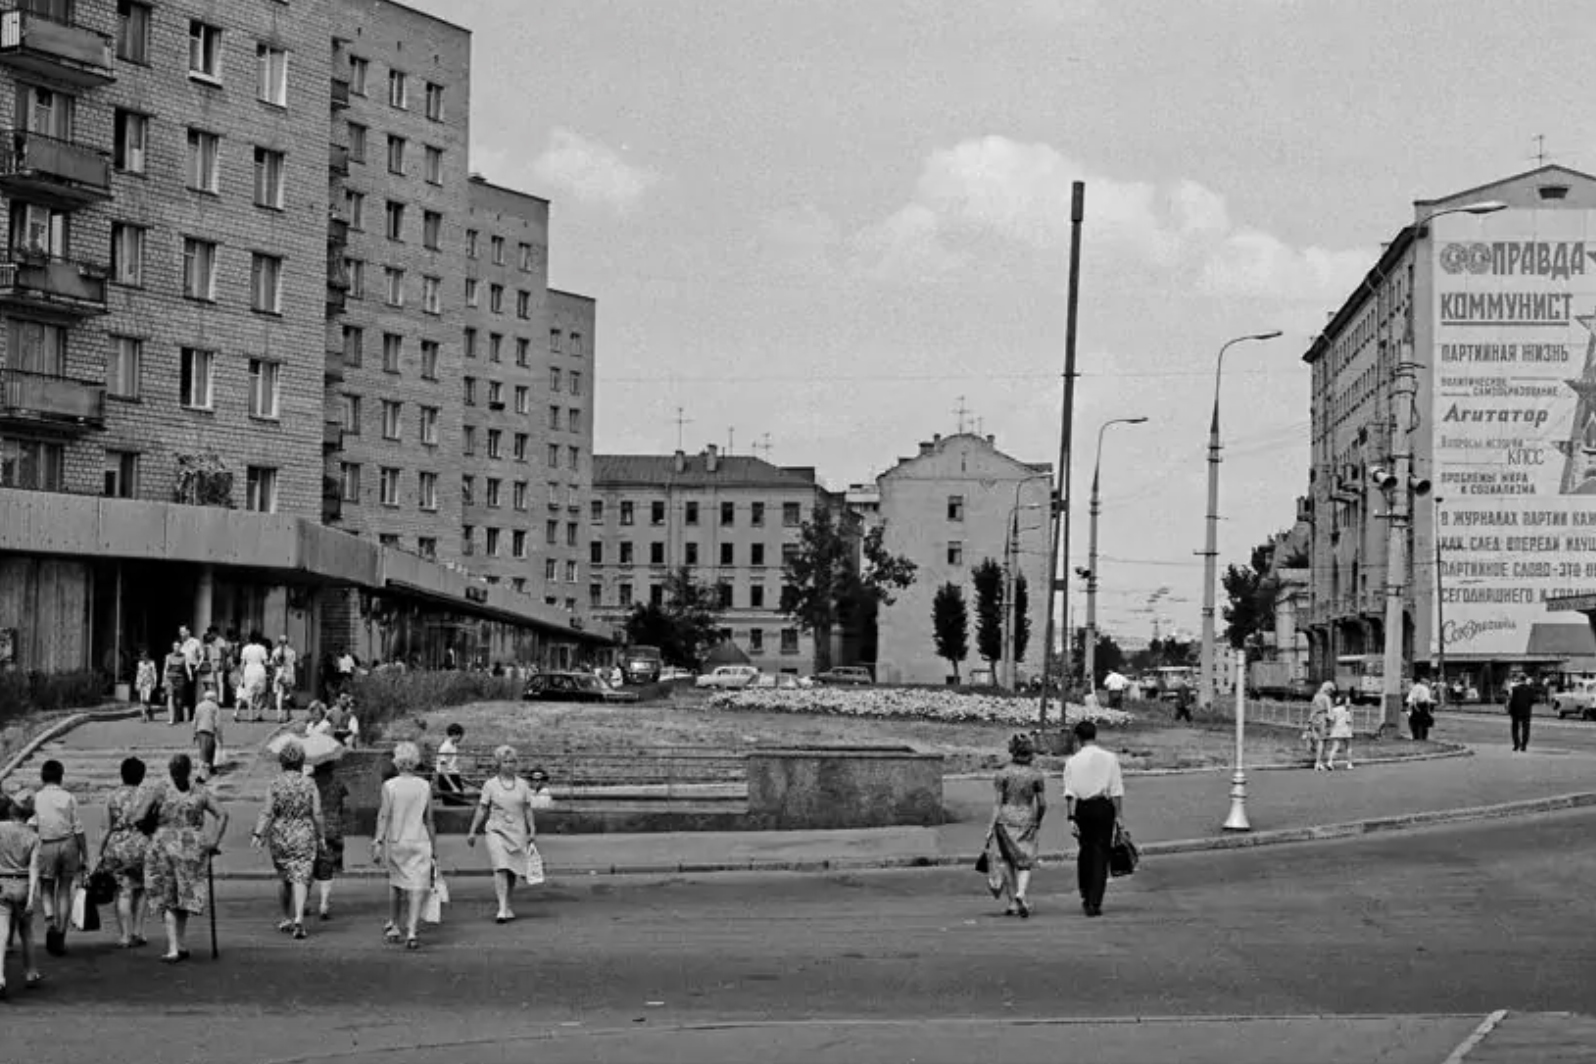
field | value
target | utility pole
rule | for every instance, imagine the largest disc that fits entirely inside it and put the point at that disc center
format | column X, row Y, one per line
column 1440, row 616
column 1061, row 502
column 1399, row 484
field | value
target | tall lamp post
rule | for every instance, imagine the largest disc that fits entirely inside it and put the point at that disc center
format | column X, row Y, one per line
column 1211, row 539
column 1011, row 552
column 1090, row 665
column 1403, row 486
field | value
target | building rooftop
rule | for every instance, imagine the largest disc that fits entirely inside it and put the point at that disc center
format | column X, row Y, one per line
column 692, row 470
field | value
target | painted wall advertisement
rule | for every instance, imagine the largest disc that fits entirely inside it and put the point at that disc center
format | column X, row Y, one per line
column 1514, row 425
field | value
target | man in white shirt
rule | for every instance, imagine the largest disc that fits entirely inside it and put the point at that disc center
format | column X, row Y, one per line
column 1093, row 802
column 193, row 659
column 1116, row 684
column 1420, row 714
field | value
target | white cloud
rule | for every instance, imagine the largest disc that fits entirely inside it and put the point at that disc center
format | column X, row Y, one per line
column 590, row 172
column 1253, row 263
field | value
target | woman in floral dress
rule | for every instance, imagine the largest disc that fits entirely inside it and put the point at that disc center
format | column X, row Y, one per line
column 175, row 860
column 122, row 853
column 290, row 826
column 1014, row 838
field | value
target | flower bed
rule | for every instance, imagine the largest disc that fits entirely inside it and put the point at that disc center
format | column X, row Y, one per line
column 929, row 704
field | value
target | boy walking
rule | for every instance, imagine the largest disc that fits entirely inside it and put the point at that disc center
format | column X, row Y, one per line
column 63, row 852
column 19, row 884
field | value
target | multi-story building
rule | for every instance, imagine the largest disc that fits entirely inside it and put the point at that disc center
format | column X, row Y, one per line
column 567, row 445
column 732, row 520
column 1470, row 347
column 176, row 345
column 957, row 503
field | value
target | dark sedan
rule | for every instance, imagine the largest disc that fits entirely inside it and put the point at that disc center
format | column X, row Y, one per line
column 572, row 687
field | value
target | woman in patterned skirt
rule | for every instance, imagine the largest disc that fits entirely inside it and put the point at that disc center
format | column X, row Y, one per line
column 122, row 853
column 175, row 861
column 1015, row 836
column 290, row 827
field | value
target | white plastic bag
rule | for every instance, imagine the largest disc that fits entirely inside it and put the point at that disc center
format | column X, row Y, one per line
column 534, row 866
column 437, row 898
column 80, row 906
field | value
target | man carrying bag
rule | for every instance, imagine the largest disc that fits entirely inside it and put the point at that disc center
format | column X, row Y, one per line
column 1093, row 803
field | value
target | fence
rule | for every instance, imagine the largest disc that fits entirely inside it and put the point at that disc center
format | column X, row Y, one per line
column 1366, row 720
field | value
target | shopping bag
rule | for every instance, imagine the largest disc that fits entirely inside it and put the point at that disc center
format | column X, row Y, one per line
column 534, row 866
column 85, row 917
column 437, row 898
column 1123, row 856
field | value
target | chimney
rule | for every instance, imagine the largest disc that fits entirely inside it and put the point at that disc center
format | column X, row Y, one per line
column 681, row 461
column 711, row 458
column 991, row 440
column 936, row 437
column 926, row 448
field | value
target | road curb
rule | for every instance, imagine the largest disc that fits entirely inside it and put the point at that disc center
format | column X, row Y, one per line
column 58, row 729
column 1320, row 833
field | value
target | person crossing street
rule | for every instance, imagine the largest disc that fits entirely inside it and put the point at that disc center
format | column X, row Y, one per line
column 1094, row 796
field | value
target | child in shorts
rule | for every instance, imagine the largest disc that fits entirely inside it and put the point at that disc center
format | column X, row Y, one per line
column 19, row 883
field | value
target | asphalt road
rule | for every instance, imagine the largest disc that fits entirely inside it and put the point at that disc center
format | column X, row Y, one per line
column 1456, row 921
column 1547, row 733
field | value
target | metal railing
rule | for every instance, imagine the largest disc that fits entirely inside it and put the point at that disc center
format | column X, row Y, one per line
column 48, row 397
column 654, row 773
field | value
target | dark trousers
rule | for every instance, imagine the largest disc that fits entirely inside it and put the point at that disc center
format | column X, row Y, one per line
column 190, row 697
column 1521, row 728
column 1095, row 818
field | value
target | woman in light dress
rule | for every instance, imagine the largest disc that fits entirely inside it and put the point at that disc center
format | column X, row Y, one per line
column 403, row 840
column 1340, row 734
column 506, row 808
column 254, row 657
column 1014, row 838
column 1319, row 722
column 285, row 665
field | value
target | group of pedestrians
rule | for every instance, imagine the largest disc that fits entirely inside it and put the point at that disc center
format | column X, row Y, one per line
column 251, row 674
column 1329, row 723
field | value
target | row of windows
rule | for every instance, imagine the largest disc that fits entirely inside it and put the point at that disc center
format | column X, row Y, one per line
column 528, row 252
column 135, row 25
column 398, row 88
column 201, row 266
column 399, row 155
column 495, row 544
column 494, row 393
column 791, row 513
column 40, row 465
column 198, row 371
column 690, row 553
column 388, row 482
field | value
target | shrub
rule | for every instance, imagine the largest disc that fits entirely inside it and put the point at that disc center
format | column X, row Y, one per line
column 26, row 692
column 389, row 695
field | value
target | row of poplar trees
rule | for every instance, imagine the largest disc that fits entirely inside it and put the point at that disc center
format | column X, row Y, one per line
column 950, row 618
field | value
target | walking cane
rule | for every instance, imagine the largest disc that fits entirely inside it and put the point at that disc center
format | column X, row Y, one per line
column 210, row 885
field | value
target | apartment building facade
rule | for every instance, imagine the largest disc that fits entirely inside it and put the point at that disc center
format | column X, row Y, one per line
column 223, row 340
column 732, row 520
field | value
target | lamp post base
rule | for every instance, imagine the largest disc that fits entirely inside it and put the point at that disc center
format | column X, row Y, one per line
column 1237, row 820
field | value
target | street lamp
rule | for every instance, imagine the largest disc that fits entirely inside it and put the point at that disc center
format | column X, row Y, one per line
column 1090, row 670
column 1211, row 540
column 1011, row 548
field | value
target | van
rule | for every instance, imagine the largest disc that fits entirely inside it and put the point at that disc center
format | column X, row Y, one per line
column 641, row 664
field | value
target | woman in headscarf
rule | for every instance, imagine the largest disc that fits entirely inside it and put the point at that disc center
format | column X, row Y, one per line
column 123, row 850
column 1319, row 721
column 290, row 827
column 403, row 840
column 506, row 808
column 174, row 864
column 1014, row 838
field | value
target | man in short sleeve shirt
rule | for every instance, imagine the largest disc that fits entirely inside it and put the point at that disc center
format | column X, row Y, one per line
column 1093, row 802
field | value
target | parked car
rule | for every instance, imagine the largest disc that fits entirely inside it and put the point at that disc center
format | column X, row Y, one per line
column 1578, row 701
column 845, row 674
column 729, row 677
column 784, row 681
column 642, row 664
column 572, row 687
column 671, row 673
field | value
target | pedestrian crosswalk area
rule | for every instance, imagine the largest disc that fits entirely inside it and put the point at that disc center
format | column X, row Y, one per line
column 1539, row 1037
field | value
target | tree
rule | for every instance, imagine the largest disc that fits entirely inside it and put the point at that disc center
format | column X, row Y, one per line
column 1022, row 619
column 988, row 580
column 1110, row 658
column 1251, row 609
column 683, row 626
column 950, row 622
column 824, row 584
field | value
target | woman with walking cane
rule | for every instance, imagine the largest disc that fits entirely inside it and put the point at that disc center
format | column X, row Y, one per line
column 178, row 847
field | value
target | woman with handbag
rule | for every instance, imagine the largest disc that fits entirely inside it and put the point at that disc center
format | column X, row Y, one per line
column 403, row 840
column 179, row 853
column 506, row 808
column 122, row 853
column 290, row 827
column 1014, row 837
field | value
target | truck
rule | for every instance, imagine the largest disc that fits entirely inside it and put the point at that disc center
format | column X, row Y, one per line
column 1276, row 679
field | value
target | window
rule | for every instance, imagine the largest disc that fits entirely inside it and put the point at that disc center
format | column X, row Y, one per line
column 554, row 341
column 431, row 301
column 496, row 297
column 756, row 514
column 955, row 552
column 431, row 230
column 468, row 491
column 392, row 411
column 625, row 591
column 427, row 547
column 468, row 545
column 756, row 554
column 495, row 443
column 468, row 440
column 435, row 102
column 121, row 474
column 394, row 279
column 266, row 283
column 260, row 489
column 523, row 303
column 272, row 83
column 398, row 90
column 554, row 419
column 518, row 543
column 395, row 220
column 523, row 351
column 528, row 262
column 523, row 399
column 471, row 286
column 576, row 345
column 570, row 578
column 789, row 554
column 789, row 640
column 349, row 481
column 388, row 539
column 495, row 490
column 955, row 507
column 756, row 637
column 203, row 149
column 554, row 378
column 389, row 485
column 495, row 347
column 471, row 343
column 470, row 391
column 268, row 178
column 496, row 395
column 595, row 552
column 354, row 345
column 521, row 439
column 396, row 154
column 132, row 31
column 204, row 50
column 263, row 388
column 570, row 533
column 692, row 513
column 756, row 601
column 791, row 515
column 351, row 424
column 194, row 378
column 357, row 142
column 432, row 167
column 723, row 592
column 123, row 367
column 427, row 488
column 595, row 595
column 355, row 207
column 656, row 513
column 690, row 553
column 727, row 554
column 728, row 511
column 576, row 383
column 551, row 574
column 30, row 464
column 518, row 495
column 358, row 70
column 356, row 269
column 393, row 346
column 498, row 250
column 656, row 553
column 471, row 243
column 551, row 534
column 127, row 253
column 132, row 141
column 626, row 513
column 626, row 553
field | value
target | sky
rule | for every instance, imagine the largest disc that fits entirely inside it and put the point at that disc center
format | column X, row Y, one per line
column 838, row 223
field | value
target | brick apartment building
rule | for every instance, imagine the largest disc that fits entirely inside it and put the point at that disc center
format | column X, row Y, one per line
column 202, row 307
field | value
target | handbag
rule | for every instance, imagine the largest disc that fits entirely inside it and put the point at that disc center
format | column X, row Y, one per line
column 150, row 820
column 1123, row 856
column 534, row 866
column 437, row 898
column 85, row 916
column 983, row 864
column 101, row 887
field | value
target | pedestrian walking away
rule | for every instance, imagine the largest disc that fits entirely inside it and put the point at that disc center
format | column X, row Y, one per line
column 404, row 842
column 1319, row 722
column 207, row 733
column 1014, row 837
column 177, row 863
column 20, row 888
column 1421, row 711
column 285, row 677
column 1094, row 800
column 123, row 851
column 290, row 827
column 63, row 852
column 330, row 856
column 254, row 657
column 1340, row 734
column 506, row 810
column 1520, row 708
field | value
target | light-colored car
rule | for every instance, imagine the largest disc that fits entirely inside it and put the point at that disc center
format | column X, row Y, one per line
column 672, row 673
column 783, row 681
column 729, row 677
column 1578, row 701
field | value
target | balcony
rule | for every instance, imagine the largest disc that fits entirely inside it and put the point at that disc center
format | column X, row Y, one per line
column 337, row 228
column 50, row 48
column 335, row 366
column 53, row 172
column 332, row 500
column 338, row 159
column 42, row 400
column 340, row 93
column 337, row 272
column 332, row 436
column 43, row 282
column 337, row 302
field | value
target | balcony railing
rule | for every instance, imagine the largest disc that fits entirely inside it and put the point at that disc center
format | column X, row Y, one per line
column 42, row 281
column 338, row 159
column 42, row 399
column 335, row 366
column 51, row 170
column 337, row 229
column 340, row 93
column 332, row 436
column 336, row 301
column 337, row 272
column 53, row 48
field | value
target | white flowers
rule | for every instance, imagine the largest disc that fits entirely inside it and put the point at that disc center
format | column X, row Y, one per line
column 913, row 704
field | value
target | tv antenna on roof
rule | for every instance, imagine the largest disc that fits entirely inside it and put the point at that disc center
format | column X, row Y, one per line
column 763, row 446
column 1540, row 149
column 682, row 422
column 962, row 411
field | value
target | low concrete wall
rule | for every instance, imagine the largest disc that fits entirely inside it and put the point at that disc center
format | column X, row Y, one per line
column 843, row 787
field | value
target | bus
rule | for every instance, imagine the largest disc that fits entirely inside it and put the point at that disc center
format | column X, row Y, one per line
column 1362, row 677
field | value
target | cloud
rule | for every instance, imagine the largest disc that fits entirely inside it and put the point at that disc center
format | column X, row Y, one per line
column 589, row 172
column 803, row 238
